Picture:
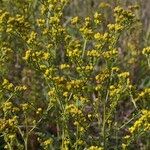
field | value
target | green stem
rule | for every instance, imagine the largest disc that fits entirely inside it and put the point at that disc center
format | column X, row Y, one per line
column 26, row 143
column 104, row 119
column 103, row 127
column 26, row 136
column 133, row 101
column 64, row 132
column 77, row 134
column 84, row 47
column 148, row 61
column 77, row 131
column 116, row 131
column 9, row 146
column 126, row 123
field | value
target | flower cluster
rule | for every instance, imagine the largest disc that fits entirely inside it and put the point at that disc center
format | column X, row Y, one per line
column 63, row 82
column 142, row 123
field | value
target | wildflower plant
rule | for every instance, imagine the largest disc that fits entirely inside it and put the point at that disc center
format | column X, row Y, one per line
column 70, row 86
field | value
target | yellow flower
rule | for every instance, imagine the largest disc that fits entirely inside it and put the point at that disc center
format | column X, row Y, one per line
column 7, row 106
column 115, row 27
column 46, row 55
column 98, row 36
column 97, row 18
column 115, row 69
column 25, row 106
column 13, row 121
column 87, row 32
column 20, row 88
column 73, row 110
column 75, row 20
column 5, row 81
column 74, row 53
column 124, row 146
column 51, row 92
column 104, row 5
column 27, row 55
column 146, row 51
column 32, row 37
column 47, row 142
column 81, row 129
column 40, row 22
column 95, row 148
column 143, row 123
column 55, row 20
column 39, row 110
column 64, row 66
column 124, row 75
column 7, row 85
column 65, row 94
column 93, row 53
column 12, row 136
